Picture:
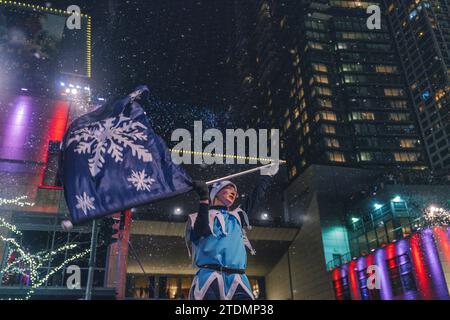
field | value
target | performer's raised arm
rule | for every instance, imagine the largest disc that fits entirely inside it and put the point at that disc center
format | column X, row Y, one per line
column 201, row 225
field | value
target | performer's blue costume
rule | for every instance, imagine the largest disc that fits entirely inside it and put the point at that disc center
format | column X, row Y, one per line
column 218, row 239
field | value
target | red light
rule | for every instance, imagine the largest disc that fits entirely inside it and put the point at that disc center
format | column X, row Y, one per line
column 421, row 272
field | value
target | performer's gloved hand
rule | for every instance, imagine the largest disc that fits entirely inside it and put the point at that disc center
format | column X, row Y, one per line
column 202, row 189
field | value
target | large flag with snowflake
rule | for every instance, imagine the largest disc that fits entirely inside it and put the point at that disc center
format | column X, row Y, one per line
column 112, row 160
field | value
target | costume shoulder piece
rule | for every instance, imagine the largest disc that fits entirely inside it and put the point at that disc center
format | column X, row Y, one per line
column 238, row 213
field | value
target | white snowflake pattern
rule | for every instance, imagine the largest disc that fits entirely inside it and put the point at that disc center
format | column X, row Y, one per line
column 140, row 180
column 110, row 136
column 85, row 203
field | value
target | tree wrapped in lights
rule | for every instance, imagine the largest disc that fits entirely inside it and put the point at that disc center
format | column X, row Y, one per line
column 28, row 265
column 18, row 201
column 436, row 216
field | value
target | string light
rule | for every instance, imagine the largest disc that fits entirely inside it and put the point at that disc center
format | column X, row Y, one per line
column 197, row 153
column 61, row 12
column 39, row 8
column 16, row 201
column 10, row 227
column 28, row 265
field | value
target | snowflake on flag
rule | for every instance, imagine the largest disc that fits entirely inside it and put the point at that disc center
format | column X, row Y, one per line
column 110, row 136
column 85, row 203
column 140, row 180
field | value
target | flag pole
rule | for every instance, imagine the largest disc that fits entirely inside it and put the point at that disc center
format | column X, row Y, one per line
column 231, row 176
column 90, row 280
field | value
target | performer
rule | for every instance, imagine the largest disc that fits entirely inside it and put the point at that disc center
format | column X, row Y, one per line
column 219, row 241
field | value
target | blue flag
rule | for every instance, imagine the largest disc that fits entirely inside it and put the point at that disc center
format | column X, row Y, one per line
column 112, row 160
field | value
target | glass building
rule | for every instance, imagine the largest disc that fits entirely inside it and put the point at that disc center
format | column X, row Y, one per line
column 421, row 30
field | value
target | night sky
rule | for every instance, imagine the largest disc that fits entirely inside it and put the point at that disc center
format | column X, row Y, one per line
column 178, row 47
column 181, row 49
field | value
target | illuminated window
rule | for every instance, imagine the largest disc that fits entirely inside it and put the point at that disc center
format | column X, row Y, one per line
column 406, row 157
column 408, row 143
column 365, row 156
column 319, row 67
column 301, row 94
column 350, row 79
column 331, row 143
column 363, row 116
column 305, row 129
column 172, row 288
column 385, row 69
column 328, row 115
column 287, row 125
column 398, row 116
column 393, row 92
column 301, row 150
column 264, row 11
column 336, row 156
column 399, row 104
column 350, row 4
column 330, row 129
column 323, row 91
column 304, row 117
column 325, row 103
column 315, row 45
column 321, row 79
column 303, row 163
column 293, row 171
column 439, row 95
column 352, row 67
column 282, row 22
column 255, row 288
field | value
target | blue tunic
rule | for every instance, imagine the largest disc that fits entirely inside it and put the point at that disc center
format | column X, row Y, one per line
column 225, row 246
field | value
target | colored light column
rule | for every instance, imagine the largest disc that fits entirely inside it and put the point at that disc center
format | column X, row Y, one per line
column 442, row 240
column 58, row 121
column 337, row 284
column 423, row 283
column 383, row 274
column 434, row 265
column 401, row 248
column 353, row 278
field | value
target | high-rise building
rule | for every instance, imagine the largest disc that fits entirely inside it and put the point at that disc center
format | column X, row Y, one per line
column 421, row 30
column 336, row 90
column 333, row 86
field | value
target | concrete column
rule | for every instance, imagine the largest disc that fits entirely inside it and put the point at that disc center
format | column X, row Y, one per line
column 117, row 262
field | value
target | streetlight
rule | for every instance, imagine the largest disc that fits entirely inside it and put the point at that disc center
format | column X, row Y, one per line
column 354, row 219
column 377, row 206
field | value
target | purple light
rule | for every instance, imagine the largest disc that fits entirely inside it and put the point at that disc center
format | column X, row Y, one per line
column 386, row 287
column 434, row 264
column 23, row 89
column 16, row 129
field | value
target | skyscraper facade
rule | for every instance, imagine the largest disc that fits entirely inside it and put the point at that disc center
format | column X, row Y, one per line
column 332, row 85
column 421, row 30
